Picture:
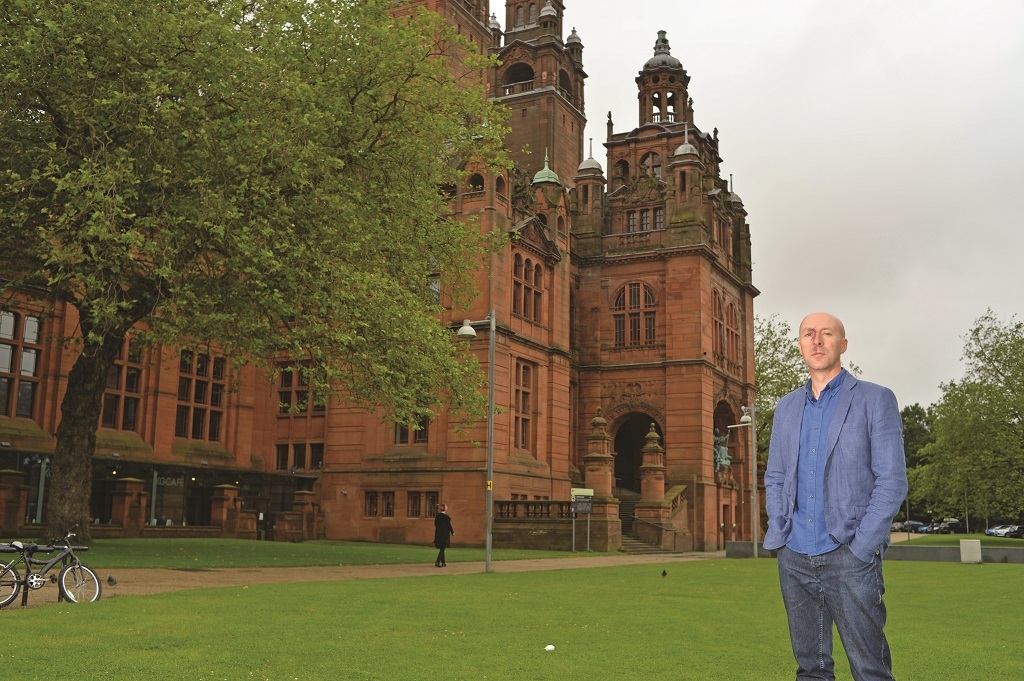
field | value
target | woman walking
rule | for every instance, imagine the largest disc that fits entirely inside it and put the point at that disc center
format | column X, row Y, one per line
column 442, row 533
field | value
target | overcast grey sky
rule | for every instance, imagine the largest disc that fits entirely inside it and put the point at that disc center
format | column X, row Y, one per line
column 878, row 146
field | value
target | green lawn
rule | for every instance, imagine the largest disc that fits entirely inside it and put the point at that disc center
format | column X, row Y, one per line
column 717, row 619
column 954, row 540
column 225, row 553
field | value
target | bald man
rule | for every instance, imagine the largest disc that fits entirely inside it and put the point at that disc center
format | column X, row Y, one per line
column 836, row 477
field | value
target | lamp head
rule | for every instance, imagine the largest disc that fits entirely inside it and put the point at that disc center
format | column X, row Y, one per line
column 745, row 418
column 466, row 331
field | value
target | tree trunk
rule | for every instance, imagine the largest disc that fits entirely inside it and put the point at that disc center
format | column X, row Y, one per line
column 71, row 472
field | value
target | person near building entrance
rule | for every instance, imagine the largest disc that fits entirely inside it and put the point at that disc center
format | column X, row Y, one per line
column 835, row 479
column 442, row 533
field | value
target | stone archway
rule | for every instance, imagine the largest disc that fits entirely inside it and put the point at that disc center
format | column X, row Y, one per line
column 630, row 437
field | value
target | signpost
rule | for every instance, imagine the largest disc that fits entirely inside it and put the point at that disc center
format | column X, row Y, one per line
column 582, row 499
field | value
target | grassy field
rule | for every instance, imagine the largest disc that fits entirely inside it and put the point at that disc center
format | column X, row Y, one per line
column 954, row 540
column 226, row 553
column 718, row 619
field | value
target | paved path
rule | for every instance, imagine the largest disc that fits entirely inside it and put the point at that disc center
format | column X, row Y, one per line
column 132, row 582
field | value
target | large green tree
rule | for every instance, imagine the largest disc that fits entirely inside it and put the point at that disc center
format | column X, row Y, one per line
column 778, row 368
column 976, row 463
column 262, row 174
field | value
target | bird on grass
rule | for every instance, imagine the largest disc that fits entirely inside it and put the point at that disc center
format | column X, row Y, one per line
column 664, row 573
column 111, row 581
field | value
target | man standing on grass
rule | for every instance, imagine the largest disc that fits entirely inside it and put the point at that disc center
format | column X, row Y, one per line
column 836, row 477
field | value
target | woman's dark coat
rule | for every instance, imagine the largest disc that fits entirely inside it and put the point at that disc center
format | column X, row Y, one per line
column 442, row 531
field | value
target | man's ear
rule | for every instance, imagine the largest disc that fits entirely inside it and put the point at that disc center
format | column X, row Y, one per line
column 843, row 348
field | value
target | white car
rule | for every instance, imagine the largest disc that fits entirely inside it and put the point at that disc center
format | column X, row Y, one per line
column 998, row 528
column 1001, row 532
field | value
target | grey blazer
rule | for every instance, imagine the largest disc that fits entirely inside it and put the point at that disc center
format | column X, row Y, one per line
column 865, row 468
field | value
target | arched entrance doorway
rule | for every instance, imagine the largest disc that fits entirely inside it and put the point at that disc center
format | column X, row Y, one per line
column 629, row 441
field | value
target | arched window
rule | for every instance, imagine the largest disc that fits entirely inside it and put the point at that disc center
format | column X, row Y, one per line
column 635, row 315
column 499, row 185
column 533, row 13
column 565, row 84
column 517, row 78
column 519, row 16
column 527, row 288
column 476, row 182
column 620, row 175
column 650, row 164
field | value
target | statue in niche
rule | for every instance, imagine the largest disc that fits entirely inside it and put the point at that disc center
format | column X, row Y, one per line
column 721, row 450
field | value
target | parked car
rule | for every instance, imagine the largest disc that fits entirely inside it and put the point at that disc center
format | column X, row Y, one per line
column 908, row 526
column 949, row 526
column 1002, row 531
column 992, row 530
column 927, row 529
column 1016, row 531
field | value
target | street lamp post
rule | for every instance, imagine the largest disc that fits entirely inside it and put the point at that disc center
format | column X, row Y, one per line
column 747, row 421
column 467, row 331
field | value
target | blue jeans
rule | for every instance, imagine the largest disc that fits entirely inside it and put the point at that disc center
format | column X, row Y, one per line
column 835, row 587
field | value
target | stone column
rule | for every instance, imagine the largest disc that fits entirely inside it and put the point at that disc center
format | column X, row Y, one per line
column 599, row 463
column 303, row 503
column 223, row 502
column 652, row 510
column 13, row 501
column 652, row 471
column 599, row 473
column 128, row 507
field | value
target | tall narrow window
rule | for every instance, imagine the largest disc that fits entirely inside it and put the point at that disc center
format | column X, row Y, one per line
column 659, row 218
column 718, row 326
column 732, row 334
column 634, row 314
column 524, row 388
column 20, row 362
column 527, row 288
column 122, row 397
column 202, row 384
column 645, row 220
column 630, row 221
column 294, row 396
column 413, row 505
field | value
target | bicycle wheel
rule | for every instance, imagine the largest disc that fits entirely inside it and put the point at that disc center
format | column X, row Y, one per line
column 79, row 584
column 10, row 583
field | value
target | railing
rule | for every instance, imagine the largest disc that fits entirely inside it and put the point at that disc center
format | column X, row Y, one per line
column 661, row 531
column 660, row 527
column 517, row 88
column 533, row 510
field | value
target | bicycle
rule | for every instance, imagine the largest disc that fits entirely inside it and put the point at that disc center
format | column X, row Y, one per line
column 78, row 582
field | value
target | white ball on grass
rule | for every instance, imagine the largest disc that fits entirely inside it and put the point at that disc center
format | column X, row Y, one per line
column 549, row 648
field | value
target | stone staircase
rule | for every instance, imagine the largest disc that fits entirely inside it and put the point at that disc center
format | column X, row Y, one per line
column 627, row 504
column 630, row 544
column 635, row 547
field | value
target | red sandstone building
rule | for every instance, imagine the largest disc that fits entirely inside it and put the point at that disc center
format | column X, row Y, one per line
column 624, row 343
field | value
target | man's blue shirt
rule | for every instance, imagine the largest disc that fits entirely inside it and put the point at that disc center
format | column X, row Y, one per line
column 810, row 536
